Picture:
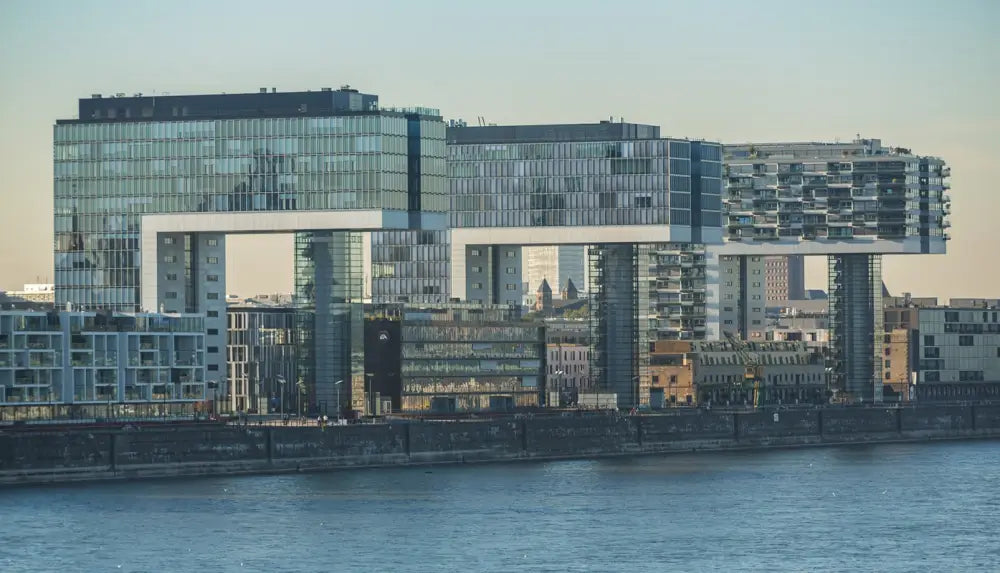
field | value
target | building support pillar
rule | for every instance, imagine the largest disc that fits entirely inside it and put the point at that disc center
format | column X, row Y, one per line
column 329, row 285
column 614, row 321
column 856, row 324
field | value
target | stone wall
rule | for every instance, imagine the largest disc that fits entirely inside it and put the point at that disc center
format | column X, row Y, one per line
column 39, row 457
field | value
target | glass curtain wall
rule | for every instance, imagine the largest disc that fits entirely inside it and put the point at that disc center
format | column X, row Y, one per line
column 328, row 298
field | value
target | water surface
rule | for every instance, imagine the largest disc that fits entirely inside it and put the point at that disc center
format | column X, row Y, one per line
column 911, row 507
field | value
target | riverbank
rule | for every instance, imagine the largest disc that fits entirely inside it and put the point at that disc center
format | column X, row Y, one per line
column 66, row 456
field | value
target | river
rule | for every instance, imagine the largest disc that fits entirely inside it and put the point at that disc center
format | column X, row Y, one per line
column 906, row 507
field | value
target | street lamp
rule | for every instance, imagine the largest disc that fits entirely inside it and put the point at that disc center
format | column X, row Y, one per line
column 559, row 388
column 337, row 386
column 369, row 394
column 281, row 382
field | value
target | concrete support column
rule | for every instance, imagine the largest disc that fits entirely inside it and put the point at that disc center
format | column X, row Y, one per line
column 856, row 324
column 492, row 274
column 742, row 289
column 205, row 286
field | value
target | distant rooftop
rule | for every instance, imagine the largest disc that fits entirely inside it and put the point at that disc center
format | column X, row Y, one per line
column 871, row 148
column 121, row 107
column 459, row 133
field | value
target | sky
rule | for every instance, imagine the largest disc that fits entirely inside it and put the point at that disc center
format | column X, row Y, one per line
column 917, row 74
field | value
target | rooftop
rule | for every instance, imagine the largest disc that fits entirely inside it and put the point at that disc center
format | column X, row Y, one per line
column 137, row 107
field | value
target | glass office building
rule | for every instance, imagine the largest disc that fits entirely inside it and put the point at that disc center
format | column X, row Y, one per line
column 644, row 204
column 124, row 159
column 580, row 175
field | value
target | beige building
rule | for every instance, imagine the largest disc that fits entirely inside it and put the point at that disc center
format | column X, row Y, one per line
column 896, row 364
column 785, row 278
column 689, row 373
column 672, row 374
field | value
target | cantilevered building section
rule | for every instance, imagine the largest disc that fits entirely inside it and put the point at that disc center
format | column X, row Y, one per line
column 853, row 202
column 148, row 187
column 644, row 205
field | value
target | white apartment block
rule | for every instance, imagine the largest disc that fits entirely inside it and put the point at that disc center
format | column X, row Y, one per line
column 71, row 357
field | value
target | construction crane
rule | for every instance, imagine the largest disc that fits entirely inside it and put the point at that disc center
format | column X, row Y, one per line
column 753, row 371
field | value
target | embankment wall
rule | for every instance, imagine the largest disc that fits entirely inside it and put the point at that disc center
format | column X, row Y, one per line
column 47, row 457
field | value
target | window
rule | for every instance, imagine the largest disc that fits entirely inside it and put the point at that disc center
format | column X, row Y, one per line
column 171, row 276
column 510, row 254
column 170, row 259
column 213, row 260
column 477, row 285
column 932, row 352
column 928, row 340
column 755, row 322
column 887, row 375
column 212, row 278
column 966, row 340
column 213, row 331
column 213, row 314
column 932, row 376
column 213, row 349
column 511, row 286
column 213, row 367
column 475, row 253
column 212, row 242
column 727, row 322
column 477, row 269
column 171, row 295
column 951, row 317
column 998, row 352
column 756, row 309
column 756, row 297
column 168, row 240
column 212, row 296
column 727, row 308
column 888, row 363
column 511, row 270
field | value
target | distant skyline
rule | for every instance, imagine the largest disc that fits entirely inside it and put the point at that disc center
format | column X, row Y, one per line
column 919, row 74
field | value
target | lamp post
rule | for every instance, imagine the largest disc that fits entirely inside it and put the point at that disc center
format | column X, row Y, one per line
column 634, row 383
column 281, row 384
column 559, row 387
column 337, row 386
column 369, row 398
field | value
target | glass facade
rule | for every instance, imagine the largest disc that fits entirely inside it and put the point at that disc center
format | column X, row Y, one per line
column 857, row 324
column 109, row 174
column 618, row 320
column 469, row 366
column 328, row 300
column 640, row 182
column 411, row 266
column 262, row 347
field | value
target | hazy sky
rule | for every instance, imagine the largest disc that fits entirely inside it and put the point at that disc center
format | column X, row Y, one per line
column 919, row 74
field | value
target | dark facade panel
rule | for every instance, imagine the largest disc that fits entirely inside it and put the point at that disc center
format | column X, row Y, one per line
column 603, row 131
column 224, row 106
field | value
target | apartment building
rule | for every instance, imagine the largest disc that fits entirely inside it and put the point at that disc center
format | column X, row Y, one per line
column 86, row 358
